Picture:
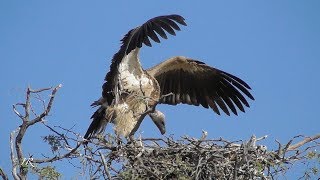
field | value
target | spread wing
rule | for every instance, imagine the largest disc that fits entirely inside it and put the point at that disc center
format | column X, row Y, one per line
column 193, row 82
column 135, row 38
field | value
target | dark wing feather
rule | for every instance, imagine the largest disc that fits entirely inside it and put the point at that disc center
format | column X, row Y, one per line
column 171, row 24
column 98, row 123
column 135, row 38
column 193, row 82
column 177, row 18
column 159, row 30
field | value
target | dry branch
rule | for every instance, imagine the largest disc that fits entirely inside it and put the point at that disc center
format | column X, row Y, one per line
column 26, row 123
column 56, row 158
column 303, row 142
column 3, row 174
column 13, row 158
column 106, row 169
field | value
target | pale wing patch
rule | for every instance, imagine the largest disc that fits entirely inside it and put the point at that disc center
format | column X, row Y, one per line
column 131, row 75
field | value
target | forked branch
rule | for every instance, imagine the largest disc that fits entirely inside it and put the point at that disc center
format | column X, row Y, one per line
column 26, row 123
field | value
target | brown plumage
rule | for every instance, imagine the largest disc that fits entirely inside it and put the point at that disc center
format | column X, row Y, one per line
column 130, row 93
column 193, row 82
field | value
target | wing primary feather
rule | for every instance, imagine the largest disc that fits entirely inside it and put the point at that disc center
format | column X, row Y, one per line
column 213, row 105
column 147, row 42
column 201, row 96
column 140, row 38
column 237, row 102
column 238, row 85
column 152, row 35
column 237, row 79
column 166, row 27
column 135, row 37
column 227, row 101
column 172, row 24
column 159, row 30
column 178, row 19
column 234, row 94
column 222, row 105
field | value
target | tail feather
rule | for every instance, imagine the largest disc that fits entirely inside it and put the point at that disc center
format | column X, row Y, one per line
column 98, row 123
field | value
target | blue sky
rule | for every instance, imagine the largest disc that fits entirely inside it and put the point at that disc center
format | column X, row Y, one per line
column 273, row 45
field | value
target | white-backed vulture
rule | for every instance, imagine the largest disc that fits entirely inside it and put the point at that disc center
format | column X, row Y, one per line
column 130, row 92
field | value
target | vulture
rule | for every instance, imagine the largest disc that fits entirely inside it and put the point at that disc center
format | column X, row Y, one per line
column 130, row 93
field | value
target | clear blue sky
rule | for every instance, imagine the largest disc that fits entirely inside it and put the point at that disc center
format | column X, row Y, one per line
column 273, row 45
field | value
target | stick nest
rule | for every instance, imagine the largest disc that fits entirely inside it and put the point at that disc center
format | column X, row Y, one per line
column 191, row 158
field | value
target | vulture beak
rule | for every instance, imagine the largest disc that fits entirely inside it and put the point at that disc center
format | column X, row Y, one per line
column 158, row 118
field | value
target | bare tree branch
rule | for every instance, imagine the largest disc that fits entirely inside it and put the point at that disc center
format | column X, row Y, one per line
column 106, row 170
column 47, row 110
column 16, row 111
column 303, row 142
column 26, row 122
column 27, row 107
column 56, row 158
column 41, row 90
column 3, row 174
column 59, row 134
column 19, row 137
column 12, row 157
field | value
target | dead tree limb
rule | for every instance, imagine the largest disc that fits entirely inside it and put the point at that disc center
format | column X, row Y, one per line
column 56, row 158
column 105, row 165
column 303, row 142
column 12, row 157
column 26, row 122
column 3, row 174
